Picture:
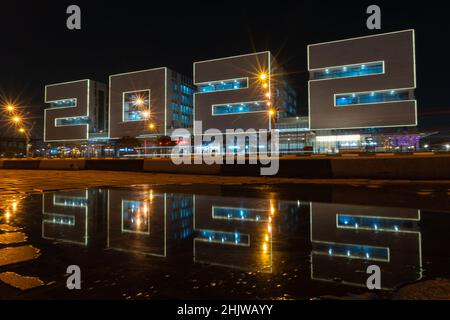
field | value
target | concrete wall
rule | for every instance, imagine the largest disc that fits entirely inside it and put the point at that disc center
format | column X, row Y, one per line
column 412, row 167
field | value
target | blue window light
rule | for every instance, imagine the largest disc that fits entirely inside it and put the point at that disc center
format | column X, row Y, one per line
column 233, row 238
column 352, row 251
column 223, row 85
column 64, row 103
column 349, row 71
column 72, row 121
column 349, row 99
column 239, row 108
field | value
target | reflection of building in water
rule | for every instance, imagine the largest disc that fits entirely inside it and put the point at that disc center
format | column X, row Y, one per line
column 348, row 238
column 135, row 217
column 234, row 232
column 144, row 222
column 66, row 216
column 180, row 210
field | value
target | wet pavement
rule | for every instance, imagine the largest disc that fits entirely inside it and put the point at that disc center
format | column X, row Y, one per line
column 167, row 237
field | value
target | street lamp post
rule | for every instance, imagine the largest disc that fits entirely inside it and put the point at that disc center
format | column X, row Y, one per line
column 17, row 119
column 26, row 133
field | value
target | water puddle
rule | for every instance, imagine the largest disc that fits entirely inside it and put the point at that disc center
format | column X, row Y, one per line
column 12, row 255
column 8, row 228
column 12, row 237
column 228, row 242
column 20, row 282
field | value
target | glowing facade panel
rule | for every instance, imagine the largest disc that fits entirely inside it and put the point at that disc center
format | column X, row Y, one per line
column 138, row 99
column 76, row 110
column 228, row 87
column 67, row 100
column 363, row 82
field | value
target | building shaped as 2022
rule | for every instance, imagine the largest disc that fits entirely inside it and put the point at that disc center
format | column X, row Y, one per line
column 360, row 93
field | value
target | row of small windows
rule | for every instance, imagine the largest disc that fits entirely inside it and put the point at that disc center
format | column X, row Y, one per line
column 71, row 121
column 184, row 98
column 182, row 108
column 349, row 71
column 239, row 108
column 223, row 85
column 224, row 237
column 183, row 88
column 372, row 97
column 238, row 214
column 372, row 223
column 352, row 251
column 186, row 90
column 182, row 118
column 64, row 103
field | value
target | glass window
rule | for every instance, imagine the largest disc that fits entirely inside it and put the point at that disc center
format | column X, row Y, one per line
column 136, row 105
column 372, row 97
column 64, row 103
column 72, row 121
column 239, row 108
column 223, row 85
column 349, row 71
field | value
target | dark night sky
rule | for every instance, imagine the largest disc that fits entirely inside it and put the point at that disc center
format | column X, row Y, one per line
column 122, row 36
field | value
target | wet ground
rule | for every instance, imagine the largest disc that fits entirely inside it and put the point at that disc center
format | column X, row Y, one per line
column 146, row 236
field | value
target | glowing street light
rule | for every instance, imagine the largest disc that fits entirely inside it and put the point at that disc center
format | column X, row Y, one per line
column 145, row 114
column 151, row 126
column 22, row 130
column 139, row 101
column 10, row 108
column 16, row 119
column 271, row 113
column 263, row 76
